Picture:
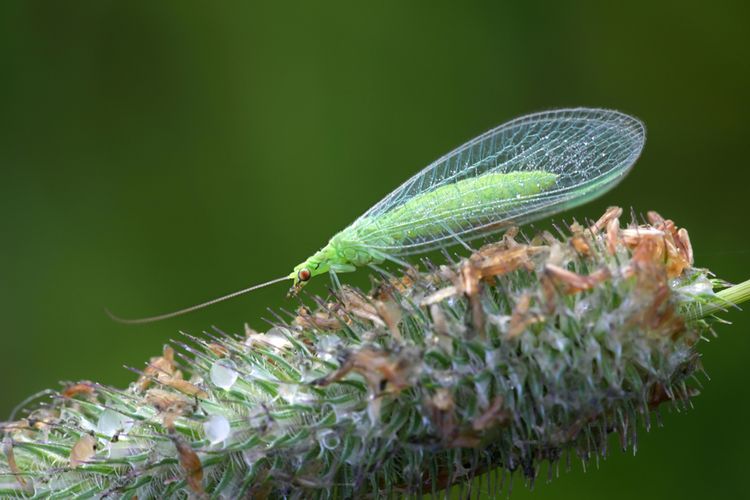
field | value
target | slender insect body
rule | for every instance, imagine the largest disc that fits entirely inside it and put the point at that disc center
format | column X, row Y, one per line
column 354, row 246
column 521, row 171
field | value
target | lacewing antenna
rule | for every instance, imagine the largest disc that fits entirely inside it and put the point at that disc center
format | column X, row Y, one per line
column 151, row 319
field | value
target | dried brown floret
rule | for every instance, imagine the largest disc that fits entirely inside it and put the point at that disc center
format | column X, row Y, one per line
column 381, row 309
column 190, row 463
column 440, row 295
column 671, row 243
column 322, row 319
column 632, row 236
column 613, row 235
column 573, row 282
column 471, row 274
column 170, row 405
column 218, row 349
column 391, row 313
column 655, row 219
column 10, row 456
column 609, row 215
column 488, row 262
column 683, row 243
column 521, row 317
column 360, row 306
column 185, row 387
column 580, row 245
column 651, row 273
column 496, row 261
column 406, row 282
column 383, row 371
column 158, row 366
column 677, row 260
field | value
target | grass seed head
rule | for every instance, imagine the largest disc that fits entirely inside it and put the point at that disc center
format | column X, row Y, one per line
column 521, row 352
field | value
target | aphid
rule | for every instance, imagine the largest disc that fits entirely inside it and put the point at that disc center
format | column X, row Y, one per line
column 521, row 171
column 83, row 450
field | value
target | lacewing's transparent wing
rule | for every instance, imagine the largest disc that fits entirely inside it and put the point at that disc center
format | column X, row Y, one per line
column 586, row 151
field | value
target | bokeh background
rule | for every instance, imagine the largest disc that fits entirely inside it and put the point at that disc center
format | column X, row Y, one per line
column 156, row 154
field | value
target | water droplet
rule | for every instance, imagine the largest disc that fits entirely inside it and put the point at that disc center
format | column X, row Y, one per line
column 217, row 428
column 223, row 373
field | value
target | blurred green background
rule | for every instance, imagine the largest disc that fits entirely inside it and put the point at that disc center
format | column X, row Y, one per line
column 156, row 154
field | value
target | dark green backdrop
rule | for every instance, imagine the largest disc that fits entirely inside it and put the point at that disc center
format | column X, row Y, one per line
column 155, row 154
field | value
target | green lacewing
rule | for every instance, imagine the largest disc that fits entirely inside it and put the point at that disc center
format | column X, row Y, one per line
column 518, row 172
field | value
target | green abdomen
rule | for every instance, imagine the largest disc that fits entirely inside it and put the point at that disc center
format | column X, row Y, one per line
column 461, row 205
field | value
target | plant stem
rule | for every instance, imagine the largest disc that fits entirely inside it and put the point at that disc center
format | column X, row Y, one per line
column 732, row 296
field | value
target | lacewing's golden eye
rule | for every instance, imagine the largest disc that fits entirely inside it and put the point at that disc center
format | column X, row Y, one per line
column 304, row 274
